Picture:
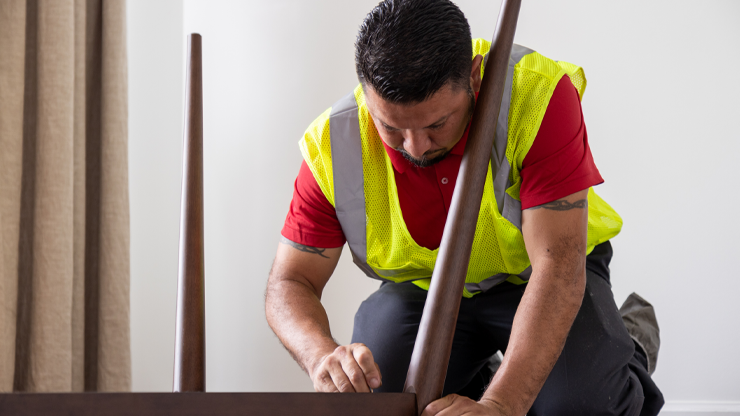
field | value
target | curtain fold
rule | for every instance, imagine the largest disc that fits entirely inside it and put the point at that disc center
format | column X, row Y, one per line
column 64, row 210
column 12, row 64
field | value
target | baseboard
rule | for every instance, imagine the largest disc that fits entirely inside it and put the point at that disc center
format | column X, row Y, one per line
column 700, row 408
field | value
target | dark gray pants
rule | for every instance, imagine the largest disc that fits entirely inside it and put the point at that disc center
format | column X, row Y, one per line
column 598, row 373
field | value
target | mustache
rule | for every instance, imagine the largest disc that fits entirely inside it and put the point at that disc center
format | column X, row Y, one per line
column 425, row 160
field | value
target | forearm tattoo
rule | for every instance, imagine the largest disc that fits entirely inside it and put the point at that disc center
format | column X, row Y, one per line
column 305, row 249
column 563, row 205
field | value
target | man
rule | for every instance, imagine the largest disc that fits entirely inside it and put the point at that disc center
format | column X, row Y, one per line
column 379, row 170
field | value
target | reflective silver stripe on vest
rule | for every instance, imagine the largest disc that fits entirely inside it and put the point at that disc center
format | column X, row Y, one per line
column 349, row 192
column 510, row 208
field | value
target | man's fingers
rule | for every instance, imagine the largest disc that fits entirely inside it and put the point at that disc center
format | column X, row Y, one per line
column 349, row 369
column 439, row 405
column 370, row 369
column 324, row 383
column 354, row 373
column 340, row 379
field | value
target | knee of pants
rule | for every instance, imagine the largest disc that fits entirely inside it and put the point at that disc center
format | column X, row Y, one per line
column 390, row 314
column 592, row 374
column 611, row 398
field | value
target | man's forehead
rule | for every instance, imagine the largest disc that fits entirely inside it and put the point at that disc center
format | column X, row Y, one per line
column 418, row 115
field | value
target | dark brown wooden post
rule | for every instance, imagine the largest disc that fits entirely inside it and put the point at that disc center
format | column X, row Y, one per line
column 190, row 335
column 431, row 354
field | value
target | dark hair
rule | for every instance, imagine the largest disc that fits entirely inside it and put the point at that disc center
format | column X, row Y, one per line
column 407, row 50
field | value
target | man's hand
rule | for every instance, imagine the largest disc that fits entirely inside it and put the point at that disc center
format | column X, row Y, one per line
column 348, row 369
column 454, row 405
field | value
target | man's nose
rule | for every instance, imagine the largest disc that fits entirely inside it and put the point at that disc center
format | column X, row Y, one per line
column 416, row 143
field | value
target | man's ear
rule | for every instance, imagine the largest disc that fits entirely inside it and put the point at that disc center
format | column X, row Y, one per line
column 475, row 79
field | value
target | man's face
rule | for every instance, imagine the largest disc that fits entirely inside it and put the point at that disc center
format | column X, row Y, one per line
column 425, row 132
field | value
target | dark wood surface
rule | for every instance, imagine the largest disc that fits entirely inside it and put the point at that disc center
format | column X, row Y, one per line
column 190, row 341
column 434, row 342
column 196, row 404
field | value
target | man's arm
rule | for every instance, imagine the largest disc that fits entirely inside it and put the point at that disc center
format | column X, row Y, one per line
column 294, row 311
column 555, row 235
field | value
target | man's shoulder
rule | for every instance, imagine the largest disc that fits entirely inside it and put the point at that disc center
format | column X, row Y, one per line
column 481, row 46
column 527, row 59
column 318, row 130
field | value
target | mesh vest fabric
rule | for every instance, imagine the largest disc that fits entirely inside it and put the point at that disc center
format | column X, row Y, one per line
column 389, row 252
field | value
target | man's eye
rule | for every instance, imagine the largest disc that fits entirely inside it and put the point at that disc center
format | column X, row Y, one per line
column 436, row 126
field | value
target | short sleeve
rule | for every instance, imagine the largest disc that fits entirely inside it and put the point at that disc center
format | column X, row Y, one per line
column 559, row 163
column 311, row 220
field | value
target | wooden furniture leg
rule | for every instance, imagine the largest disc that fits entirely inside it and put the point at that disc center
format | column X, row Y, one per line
column 428, row 368
column 190, row 336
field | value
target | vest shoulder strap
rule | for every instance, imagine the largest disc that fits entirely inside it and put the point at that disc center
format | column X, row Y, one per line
column 346, row 149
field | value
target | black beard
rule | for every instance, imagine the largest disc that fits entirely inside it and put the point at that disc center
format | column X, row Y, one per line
column 423, row 162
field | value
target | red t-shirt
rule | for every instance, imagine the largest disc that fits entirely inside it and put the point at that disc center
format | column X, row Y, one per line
column 558, row 164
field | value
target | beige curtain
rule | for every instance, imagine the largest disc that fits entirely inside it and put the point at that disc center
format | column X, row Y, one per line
column 64, row 209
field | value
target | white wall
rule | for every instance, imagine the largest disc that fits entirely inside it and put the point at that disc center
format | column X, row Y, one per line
column 155, row 58
column 659, row 107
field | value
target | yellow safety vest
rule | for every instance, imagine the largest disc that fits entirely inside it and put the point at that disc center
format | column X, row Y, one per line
column 347, row 158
